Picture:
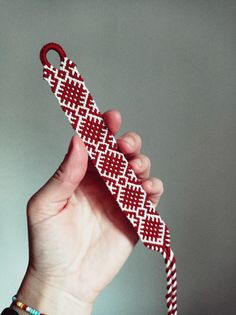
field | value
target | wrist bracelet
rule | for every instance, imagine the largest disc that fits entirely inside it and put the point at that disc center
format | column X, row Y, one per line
column 25, row 307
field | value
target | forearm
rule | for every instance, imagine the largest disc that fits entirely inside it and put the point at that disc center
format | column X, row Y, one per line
column 48, row 299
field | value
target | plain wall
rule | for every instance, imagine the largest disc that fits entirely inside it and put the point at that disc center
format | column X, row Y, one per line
column 169, row 68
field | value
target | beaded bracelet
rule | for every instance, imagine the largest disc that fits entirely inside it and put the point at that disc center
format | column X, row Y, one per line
column 25, row 307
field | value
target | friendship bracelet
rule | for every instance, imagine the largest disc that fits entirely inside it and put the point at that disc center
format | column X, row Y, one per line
column 25, row 307
column 77, row 103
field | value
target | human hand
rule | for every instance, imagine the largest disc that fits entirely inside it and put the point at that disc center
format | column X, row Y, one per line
column 78, row 237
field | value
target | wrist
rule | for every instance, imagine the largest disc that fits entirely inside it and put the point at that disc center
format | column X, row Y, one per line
column 48, row 299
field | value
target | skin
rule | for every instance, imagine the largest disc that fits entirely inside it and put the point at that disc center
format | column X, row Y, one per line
column 78, row 237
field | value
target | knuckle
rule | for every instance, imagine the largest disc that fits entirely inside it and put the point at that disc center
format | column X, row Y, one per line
column 64, row 177
column 58, row 175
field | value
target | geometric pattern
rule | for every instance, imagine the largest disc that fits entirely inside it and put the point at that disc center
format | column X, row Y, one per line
column 75, row 100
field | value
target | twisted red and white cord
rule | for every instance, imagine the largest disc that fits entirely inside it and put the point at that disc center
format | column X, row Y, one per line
column 75, row 100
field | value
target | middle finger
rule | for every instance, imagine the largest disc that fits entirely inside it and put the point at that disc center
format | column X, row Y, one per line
column 130, row 144
column 141, row 165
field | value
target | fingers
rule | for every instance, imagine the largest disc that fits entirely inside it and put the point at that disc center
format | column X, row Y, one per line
column 53, row 196
column 141, row 165
column 130, row 144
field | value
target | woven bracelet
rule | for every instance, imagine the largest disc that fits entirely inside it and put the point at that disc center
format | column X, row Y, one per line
column 25, row 307
column 77, row 103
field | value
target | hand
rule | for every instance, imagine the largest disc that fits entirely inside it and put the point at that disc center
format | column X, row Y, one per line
column 78, row 236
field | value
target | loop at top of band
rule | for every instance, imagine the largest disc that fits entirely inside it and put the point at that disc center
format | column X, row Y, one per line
column 51, row 46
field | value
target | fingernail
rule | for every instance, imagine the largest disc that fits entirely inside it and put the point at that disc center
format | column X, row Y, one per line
column 128, row 140
column 137, row 162
column 150, row 183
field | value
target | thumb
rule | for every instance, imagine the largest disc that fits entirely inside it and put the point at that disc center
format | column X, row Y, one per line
column 53, row 196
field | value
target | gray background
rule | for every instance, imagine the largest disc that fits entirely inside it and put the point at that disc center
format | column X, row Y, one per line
column 169, row 67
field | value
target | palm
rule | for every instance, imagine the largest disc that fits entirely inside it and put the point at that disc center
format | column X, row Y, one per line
column 91, row 228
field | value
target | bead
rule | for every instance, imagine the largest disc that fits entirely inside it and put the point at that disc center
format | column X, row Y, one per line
column 25, row 307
